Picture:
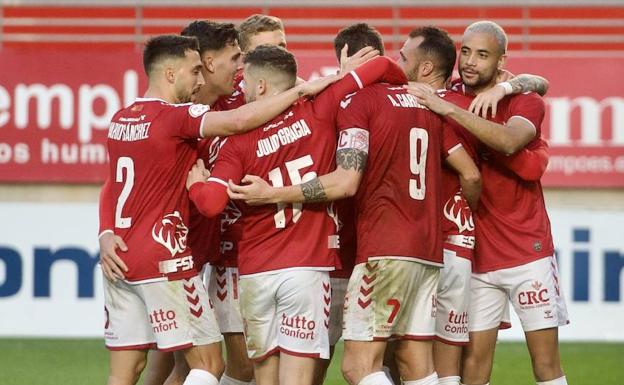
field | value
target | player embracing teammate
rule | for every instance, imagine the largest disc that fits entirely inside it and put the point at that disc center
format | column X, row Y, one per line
column 391, row 144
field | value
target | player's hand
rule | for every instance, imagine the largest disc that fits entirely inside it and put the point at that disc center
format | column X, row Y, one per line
column 349, row 63
column 313, row 87
column 112, row 265
column 504, row 76
column 198, row 173
column 426, row 96
column 254, row 190
column 487, row 100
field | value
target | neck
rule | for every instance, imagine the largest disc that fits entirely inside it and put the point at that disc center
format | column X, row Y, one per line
column 158, row 92
column 438, row 82
column 207, row 94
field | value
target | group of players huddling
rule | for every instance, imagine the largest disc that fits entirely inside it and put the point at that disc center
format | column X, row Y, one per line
column 338, row 207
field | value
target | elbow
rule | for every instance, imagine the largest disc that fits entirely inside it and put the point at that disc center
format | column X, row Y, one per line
column 510, row 147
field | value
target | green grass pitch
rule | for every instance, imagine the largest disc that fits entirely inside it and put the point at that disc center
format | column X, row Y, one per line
column 85, row 361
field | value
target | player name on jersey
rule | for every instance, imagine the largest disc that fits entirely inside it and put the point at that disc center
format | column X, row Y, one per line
column 404, row 100
column 284, row 136
column 129, row 132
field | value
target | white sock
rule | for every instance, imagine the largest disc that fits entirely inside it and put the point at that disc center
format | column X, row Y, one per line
column 557, row 381
column 377, row 378
column 431, row 379
column 226, row 380
column 387, row 371
column 449, row 380
column 200, row 377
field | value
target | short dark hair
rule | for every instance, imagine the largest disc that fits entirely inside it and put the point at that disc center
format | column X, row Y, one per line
column 256, row 24
column 358, row 36
column 212, row 36
column 166, row 46
column 273, row 58
column 439, row 46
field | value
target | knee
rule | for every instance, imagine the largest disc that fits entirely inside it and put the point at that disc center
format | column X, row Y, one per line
column 547, row 368
column 351, row 373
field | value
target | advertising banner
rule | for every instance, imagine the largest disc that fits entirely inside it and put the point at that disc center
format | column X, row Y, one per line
column 55, row 107
column 51, row 284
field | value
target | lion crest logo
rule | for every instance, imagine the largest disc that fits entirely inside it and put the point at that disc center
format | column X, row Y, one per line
column 456, row 212
column 171, row 232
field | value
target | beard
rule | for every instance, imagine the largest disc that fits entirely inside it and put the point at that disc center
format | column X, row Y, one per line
column 477, row 79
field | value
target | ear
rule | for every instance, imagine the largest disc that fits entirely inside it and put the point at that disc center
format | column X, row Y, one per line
column 170, row 74
column 262, row 87
column 501, row 61
column 426, row 68
column 208, row 63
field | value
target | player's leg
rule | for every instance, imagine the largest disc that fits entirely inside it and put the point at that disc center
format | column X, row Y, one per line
column 338, row 292
column 223, row 289
column 488, row 304
column 303, row 306
column 238, row 367
column 389, row 362
column 127, row 331
column 160, row 365
column 180, row 370
column 416, row 323
column 259, row 313
column 182, row 319
column 266, row 370
column 535, row 294
column 126, row 366
column 544, row 350
column 362, row 363
column 453, row 298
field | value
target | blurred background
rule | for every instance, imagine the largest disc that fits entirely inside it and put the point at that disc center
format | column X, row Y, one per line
column 67, row 66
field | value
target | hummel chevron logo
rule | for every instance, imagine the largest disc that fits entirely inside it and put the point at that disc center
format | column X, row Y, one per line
column 193, row 300
column 368, row 280
column 197, row 313
column 364, row 304
column 189, row 289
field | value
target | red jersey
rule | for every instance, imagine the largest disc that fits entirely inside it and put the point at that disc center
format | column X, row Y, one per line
column 512, row 224
column 398, row 200
column 295, row 147
column 345, row 210
column 152, row 145
column 204, row 232
column 457, row 222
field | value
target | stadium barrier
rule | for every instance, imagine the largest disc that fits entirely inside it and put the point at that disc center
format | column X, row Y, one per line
column 51, row 284
column 55, row 108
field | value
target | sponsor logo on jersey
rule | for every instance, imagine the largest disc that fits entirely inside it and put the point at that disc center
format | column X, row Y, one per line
column 171, row 232
column 163, row 320
column 297, row 327
column 197, row 110
column 456, row 211
column 537, row 297
column 457, row 323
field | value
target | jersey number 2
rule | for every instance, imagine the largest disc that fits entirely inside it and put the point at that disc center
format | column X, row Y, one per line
column 124, row 163
column 277, row 180
column 418, row 143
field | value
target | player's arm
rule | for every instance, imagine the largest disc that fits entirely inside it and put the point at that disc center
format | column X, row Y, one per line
column 209, row 196
column 252, row 115
column 343, row 182
column 112, row 265
column 507, row 138
column 468, row 173
column 528, row 164
column 489, row 99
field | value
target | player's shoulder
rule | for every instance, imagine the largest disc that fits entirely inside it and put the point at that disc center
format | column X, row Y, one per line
column 455, row 97
column 527, row 99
